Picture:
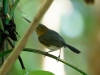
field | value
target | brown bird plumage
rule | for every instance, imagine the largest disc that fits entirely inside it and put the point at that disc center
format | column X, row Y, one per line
column 51, row 39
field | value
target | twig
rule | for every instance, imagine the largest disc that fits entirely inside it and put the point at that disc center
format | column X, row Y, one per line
column 21, row 44
column 45, row 54
column 19, row 57
column 54, row 57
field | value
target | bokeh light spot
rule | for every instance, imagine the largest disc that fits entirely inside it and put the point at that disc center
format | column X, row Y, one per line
column 72, row 25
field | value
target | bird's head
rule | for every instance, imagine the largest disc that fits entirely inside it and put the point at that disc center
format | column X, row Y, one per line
column 41, row 29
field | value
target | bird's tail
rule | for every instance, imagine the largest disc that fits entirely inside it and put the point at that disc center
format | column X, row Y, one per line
column 72, row 48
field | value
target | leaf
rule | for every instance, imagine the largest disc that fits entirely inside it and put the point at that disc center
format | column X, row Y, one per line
column 25, row 72
column 40, row 72
column 13, row 8
column 1, row 25
column 1, row 28
column 4, row 53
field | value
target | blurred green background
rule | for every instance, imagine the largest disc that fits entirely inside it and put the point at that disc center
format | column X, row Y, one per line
column 77, row 22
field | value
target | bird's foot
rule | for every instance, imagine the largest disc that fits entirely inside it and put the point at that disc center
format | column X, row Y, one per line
column 58, row 58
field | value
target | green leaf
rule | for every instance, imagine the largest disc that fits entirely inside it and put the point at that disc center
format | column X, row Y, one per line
column 1, row 28
column 6, row 7
column 40, row 72
column 25, row 72
column 13, row 8
column 4, row 53
column 1, row 25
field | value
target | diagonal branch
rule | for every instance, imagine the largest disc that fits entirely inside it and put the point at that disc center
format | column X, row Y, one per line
column 22, row 43
column 45, row 54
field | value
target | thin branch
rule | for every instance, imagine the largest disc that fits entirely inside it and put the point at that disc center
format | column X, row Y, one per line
column 45, row 54
column 10, row 43
column 22, row 43
column 19, row 57
column 21, row 62
column 54, row 57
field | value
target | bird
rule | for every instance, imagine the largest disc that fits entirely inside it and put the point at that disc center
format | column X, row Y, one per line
column 51, row 39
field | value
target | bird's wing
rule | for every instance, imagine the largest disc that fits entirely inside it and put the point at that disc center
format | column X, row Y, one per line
column 51, row 38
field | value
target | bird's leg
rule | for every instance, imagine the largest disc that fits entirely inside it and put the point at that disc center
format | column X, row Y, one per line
column 59, row 55
column 52, row 51
column 48, row 52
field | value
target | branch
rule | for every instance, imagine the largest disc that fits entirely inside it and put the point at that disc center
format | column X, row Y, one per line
column 19, row 57
column 54, row 57
column 45, row 54
column 22, row 43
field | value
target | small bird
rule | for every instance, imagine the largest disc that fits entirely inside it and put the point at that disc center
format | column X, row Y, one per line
column 51, row 39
